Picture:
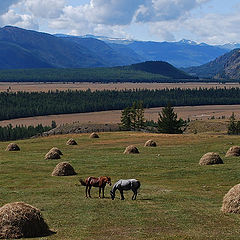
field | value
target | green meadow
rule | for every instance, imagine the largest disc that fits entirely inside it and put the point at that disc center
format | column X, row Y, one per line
column 178, row 198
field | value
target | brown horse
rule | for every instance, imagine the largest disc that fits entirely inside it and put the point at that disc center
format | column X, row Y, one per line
column 99, row 182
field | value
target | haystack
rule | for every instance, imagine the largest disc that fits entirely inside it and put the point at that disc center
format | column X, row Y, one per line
column 12, row 147
column 131, row 149
column 150, row 143
column 94, row 135
column 55, row 149
column 52, row 155
column 21, row 220
column 210, row 159
column 71, row 141
column 63, row 169
column 231, row 201
column 233, row 151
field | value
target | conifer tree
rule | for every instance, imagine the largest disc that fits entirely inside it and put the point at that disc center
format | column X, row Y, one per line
column 126, row 119
column 133, row 117
column 140, row 115
column 232, row 126
column 168, row 122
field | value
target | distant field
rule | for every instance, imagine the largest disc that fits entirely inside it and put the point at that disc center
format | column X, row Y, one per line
column 178, row 199
column 192, row 112
column 44, row 87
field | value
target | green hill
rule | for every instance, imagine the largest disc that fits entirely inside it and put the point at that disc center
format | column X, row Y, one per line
column 143, row 72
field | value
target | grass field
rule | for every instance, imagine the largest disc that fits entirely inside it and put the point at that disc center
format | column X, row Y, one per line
column 178, row 198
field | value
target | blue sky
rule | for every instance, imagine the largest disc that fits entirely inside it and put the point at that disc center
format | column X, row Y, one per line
column 210, row 21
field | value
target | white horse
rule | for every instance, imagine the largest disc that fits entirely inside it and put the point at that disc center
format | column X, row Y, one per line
column 125, row 185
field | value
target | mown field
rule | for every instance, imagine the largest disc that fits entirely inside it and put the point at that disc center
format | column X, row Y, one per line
column 178, row 198
column 63, row 86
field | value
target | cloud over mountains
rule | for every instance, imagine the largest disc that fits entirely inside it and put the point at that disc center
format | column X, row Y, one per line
column 164, row 19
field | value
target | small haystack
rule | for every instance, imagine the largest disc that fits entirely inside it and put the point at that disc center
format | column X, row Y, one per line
column 21, row 220
column 131, row 149
column 210, row 159
column 55, row 149
column 13, row 147
column 52, row 155
column 150, row 143
column 71, row 141
column 233, row 151
column 63, row 169
column 231, row 201
column 94, row 135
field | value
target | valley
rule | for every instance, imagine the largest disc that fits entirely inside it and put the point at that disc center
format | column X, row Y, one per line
column 110, row 117
column 178, row 198
column 63, row 86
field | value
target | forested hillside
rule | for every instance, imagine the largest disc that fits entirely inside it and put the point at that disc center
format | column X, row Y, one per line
column 25, row 104
column 142, row 72
column 223, row 67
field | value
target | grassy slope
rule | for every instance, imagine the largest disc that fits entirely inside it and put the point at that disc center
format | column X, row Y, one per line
column 178, row 199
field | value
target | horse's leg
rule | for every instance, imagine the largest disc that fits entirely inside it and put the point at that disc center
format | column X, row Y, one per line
column 103, row 192
column 86, row 190
column 134, row 194
column 89, row 188
column 121, row 192
column 100, row 192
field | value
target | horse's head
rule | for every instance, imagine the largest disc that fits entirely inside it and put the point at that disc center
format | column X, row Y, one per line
column 108, row 181
column 112, row 194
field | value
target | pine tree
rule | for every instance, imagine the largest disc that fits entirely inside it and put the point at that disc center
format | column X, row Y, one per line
column 168, row 122
column 53, row 125
column 133, row 117
column 126, row 119
column 232, row 126
column 140, row 116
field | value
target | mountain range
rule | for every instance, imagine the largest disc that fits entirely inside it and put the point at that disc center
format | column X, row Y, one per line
column 21, row 48
column 226, row 66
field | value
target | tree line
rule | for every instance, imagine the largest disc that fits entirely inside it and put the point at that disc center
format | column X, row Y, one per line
column 28, row 104
column 132, row 119
column 8, row 133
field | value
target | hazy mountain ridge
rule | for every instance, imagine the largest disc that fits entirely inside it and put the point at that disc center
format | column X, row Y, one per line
column 20, row 48
column 226, row 66
column 31, row 49
column 184, row 53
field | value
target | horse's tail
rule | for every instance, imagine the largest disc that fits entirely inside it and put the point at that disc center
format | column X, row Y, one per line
column 82, row 182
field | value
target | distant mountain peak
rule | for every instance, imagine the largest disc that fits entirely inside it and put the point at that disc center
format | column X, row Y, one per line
column 186, row 41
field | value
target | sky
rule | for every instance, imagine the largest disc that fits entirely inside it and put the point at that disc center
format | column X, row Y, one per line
column 209, row 21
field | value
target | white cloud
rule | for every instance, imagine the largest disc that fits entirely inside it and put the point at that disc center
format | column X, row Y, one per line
column 166, row 19
column 162, row 10
column 209, row 28
column 215, row 28
column 45, row 8
column 14, row 19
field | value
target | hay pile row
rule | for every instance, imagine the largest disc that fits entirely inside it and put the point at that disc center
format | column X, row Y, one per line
column 133, row 149
column 231, row 201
